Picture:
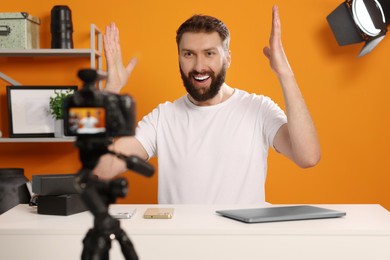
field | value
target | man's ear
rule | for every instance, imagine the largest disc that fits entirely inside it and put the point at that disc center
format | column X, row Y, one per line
column 228, row 58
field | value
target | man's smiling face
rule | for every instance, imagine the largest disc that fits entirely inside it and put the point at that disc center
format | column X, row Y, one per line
column 203, row 62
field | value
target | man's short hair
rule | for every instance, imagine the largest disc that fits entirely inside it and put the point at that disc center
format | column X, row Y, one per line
column 205, row 24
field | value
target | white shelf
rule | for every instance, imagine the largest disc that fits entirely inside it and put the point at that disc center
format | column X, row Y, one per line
column 94, row 53
column 38, row 140
column 49, row 52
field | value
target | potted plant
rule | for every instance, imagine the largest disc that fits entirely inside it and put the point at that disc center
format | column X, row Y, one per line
column 57, row 111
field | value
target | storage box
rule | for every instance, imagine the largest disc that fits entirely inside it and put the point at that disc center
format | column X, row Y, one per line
column 62, row 205
column 19, row 31
column 54, row 184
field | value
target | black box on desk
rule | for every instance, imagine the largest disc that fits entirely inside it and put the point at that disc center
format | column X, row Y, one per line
column 62, row 205
column 57, row 194
column 54, row 184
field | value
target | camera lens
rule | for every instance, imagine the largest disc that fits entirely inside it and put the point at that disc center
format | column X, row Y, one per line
column 61, row 27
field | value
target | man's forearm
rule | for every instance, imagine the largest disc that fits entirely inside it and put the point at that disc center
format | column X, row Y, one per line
column 303, row 135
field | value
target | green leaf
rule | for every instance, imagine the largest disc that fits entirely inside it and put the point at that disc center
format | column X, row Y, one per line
column 56, row 103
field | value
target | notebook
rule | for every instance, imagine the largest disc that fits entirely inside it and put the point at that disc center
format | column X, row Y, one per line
column 282, row 213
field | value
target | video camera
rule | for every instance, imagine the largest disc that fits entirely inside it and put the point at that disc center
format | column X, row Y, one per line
column 91, row 112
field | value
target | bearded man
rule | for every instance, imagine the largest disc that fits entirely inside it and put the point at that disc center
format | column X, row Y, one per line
column 212, row 143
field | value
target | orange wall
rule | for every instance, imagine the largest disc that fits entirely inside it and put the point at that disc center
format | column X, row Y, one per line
column 347, row 96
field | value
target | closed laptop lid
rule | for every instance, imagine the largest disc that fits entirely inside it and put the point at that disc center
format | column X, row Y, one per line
column 283, row 213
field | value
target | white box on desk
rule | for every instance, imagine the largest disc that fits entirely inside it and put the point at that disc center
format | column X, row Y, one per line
column 19, row 31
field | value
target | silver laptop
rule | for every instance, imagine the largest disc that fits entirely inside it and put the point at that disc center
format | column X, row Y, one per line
column 282, row 213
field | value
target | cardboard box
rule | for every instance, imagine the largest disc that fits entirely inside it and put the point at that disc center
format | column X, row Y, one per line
column 19, row 31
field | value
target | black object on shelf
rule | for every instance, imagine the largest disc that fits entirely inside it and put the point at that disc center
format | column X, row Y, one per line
column 13, row 188
column 61, row 27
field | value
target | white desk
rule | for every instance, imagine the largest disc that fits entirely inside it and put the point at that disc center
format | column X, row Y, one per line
column 196, row 232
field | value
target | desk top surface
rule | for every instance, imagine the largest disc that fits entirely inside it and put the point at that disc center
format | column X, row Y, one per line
column 360, row 219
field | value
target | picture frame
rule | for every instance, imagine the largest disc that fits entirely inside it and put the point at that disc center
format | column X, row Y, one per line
column 29, row 110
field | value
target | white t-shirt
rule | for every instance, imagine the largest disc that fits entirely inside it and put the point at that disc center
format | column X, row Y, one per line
column 89, row 122
column 212, row 154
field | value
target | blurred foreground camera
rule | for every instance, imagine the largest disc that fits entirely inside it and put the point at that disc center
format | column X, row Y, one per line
column 95, row 117
column 91, row 112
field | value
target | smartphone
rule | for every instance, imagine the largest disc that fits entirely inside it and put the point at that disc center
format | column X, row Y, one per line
column 158, row 213
column 122, row 213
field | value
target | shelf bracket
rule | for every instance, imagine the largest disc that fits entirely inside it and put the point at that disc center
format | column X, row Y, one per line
column 96, row 49
column 9, row 80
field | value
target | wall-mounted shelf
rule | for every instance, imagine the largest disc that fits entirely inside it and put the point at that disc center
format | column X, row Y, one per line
column 38, row 140
column 47, row 52
column 94, row 52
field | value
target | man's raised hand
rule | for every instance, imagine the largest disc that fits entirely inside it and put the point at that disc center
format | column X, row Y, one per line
column 117, row 73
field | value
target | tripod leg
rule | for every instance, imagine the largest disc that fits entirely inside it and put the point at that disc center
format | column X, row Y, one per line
column 96, row 246
column 126, row 246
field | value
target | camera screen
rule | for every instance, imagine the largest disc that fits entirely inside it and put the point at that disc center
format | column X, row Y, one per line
column 87, row 120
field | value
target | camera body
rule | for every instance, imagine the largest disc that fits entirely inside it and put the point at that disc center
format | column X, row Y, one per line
column 91, row 112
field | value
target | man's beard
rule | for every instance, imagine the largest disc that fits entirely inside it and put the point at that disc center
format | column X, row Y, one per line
column 201, row 95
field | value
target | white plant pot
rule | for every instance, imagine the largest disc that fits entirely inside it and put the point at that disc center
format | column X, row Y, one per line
column 59, row 128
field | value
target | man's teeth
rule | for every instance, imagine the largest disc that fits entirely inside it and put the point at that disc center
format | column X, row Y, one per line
column 200, row 78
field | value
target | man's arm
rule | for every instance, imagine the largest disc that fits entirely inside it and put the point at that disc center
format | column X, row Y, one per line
column 298, row 138
column 110, row 166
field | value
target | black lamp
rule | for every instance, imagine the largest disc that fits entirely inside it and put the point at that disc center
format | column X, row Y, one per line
column 356, row 21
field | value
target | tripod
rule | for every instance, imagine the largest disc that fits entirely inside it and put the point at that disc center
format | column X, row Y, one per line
column 97, row 195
